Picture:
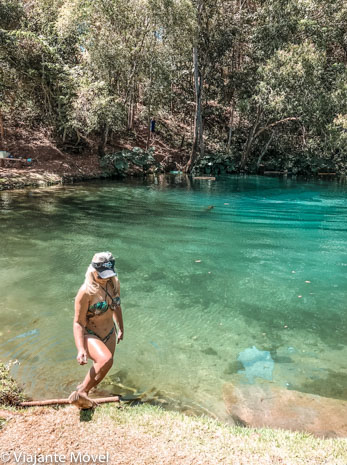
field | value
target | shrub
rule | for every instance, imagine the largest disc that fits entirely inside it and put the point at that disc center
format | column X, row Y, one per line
column 10, row 392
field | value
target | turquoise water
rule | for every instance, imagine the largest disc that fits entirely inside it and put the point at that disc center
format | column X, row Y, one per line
column 251, row 289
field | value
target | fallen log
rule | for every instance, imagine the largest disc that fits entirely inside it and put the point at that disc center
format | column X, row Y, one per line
column 210, row 178
column 275, row 172
column 36, row 403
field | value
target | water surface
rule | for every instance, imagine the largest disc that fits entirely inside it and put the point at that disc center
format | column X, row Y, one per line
column 251, row 289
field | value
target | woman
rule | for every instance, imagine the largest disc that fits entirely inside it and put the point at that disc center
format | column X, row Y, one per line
column 97, row 305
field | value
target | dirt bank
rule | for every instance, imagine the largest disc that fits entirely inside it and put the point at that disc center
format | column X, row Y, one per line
column 148, row 435
column 48, row 164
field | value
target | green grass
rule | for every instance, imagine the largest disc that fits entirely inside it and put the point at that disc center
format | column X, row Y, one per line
column 225, row 443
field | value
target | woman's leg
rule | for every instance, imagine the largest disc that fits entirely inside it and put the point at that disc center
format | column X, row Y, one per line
column 102, row 355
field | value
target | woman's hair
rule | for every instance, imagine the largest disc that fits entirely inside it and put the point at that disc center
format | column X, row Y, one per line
column 90, row 285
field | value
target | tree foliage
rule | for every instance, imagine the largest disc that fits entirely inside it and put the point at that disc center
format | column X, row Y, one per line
column 260, row 82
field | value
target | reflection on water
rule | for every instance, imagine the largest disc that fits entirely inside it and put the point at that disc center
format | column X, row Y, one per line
column 252, row 288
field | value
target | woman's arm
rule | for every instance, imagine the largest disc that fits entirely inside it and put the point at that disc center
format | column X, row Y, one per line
column 79, row 323
column 118, row 315
column 119, row 320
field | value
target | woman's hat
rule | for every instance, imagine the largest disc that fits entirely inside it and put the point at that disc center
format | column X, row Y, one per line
column 103, row 263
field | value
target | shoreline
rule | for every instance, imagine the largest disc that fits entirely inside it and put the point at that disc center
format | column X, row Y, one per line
column 147, row 434
column 51, row 166
column 261, row 405
column 16, row 179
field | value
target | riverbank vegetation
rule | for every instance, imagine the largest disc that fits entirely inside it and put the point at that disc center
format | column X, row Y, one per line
column 232, row 86
column 10, row 393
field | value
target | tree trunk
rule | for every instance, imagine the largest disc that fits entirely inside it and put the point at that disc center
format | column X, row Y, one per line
column 248, row 146
column 231, row 124
column 201, row 146
column 131, row 114
column 1, row 128
column 106, row 135
column 257, row 130
column 149, row 110
column 198, row 134
column 263, row 152
column 171, row 98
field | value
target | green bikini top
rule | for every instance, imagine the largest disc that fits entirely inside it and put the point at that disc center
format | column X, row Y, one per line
column 101, row 307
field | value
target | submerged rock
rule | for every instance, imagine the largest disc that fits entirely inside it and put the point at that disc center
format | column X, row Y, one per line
column 209, row 351
column 266, row 405
column 257, row 364
column 233, row 367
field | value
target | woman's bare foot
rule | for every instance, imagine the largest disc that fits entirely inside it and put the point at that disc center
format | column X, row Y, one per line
column 81, row 400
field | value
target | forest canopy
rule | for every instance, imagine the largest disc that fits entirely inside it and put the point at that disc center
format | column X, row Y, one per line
column 249, row 81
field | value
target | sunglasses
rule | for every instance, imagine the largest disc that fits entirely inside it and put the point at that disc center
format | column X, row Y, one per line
column 104, row 266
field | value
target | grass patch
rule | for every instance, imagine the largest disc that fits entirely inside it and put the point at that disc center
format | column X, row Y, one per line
column 206, row 437
column 10, row 393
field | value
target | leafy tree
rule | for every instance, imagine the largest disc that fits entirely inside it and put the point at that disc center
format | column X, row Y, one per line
column 253, row 80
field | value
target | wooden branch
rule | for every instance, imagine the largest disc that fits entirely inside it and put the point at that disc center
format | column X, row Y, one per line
column 265, row 128
column 34, row 403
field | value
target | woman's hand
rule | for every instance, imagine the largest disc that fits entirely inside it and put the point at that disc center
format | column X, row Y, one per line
column 120, row 335
column 82, row 357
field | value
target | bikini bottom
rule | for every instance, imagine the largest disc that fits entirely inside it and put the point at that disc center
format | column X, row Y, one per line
column 106, row 338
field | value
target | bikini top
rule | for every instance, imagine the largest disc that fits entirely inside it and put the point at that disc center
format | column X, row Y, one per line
column 101, row 307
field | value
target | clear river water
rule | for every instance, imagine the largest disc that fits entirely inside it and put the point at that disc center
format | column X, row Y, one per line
column 252, row 289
